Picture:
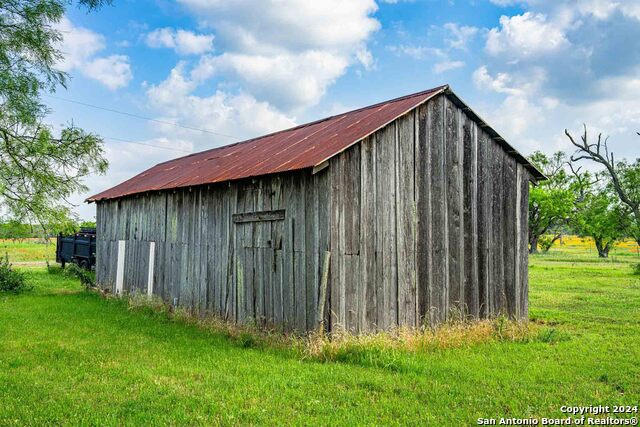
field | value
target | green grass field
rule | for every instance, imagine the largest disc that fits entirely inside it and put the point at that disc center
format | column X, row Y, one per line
column 28, row 250
column 68, row 356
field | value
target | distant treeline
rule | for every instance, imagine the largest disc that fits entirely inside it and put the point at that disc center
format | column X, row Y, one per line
column 16, row 230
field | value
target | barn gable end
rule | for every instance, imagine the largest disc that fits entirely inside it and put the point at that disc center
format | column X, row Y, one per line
column 444, row 207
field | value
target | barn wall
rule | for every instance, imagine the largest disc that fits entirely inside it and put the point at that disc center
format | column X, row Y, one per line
column 266, row 272
column 429, row 221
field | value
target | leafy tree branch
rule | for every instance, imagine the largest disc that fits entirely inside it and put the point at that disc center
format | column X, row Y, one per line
column 39, row 171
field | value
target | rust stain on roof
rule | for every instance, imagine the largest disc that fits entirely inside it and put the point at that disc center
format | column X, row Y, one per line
column 301, row 147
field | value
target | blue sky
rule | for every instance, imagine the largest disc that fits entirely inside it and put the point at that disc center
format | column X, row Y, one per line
column 248, row 67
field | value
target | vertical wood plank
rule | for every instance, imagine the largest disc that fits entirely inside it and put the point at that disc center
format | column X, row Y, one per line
column 322, row 201
column 470, row 220
column 424, row 272
column 310, row 254
column 386, row 232
column 439, row 243
column 484, row 203
column 454, row 198
column 336, row 273
column 368, row 301
column 406, row 220
column 231, row 291
column 120, row 268
column 509, row 228
column 277, row 233
column 151, row 270
column 351, row 237
column 497, row 277
column 523, row 252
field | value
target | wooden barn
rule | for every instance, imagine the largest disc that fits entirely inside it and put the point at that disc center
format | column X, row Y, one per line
column 398, row 214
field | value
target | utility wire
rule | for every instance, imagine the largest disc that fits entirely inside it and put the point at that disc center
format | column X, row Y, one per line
column 145, row 144
column 124, row 113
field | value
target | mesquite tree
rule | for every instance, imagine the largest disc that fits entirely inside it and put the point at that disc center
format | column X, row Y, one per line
column 550, row 202
column 602, row 217
column 624, row 176
column 39, row 170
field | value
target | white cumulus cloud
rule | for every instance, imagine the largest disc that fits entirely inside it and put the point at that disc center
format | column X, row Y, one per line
column 80, row 47
column 182, row 41
column 228, row 116
column 287, row 80
column 112, row 71
column 262, row 26
column 561, row 63
column 524, row 36
column 460, row 35
column 285, row 52
column 443, row 66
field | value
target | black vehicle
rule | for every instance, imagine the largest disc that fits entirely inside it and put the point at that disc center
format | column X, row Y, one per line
column 79, row 249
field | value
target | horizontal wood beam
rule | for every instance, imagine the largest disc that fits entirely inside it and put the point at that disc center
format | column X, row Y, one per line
column 277, row 215
column 320, row 167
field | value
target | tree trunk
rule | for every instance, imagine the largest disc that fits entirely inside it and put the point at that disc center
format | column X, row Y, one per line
column 533, row 245
column 545, row 249
column 603, row 250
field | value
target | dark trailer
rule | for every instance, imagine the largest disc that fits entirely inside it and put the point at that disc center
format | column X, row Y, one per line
column 78, row 249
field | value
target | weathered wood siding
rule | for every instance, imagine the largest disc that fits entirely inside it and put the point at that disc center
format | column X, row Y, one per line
column 248, row 270
column 439, row 212
column 424, row 220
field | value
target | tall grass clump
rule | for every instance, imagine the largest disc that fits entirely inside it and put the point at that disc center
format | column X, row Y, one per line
column 346, row 346
column 11, row 280
column 137, row 301
column 636, row 269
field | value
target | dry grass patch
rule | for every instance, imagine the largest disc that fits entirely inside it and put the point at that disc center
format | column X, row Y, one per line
column 343, row 345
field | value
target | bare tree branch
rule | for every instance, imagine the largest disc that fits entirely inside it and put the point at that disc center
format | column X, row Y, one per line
column 599, row 153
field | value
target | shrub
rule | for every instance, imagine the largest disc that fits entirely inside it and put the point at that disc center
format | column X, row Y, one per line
column 636, row 269
column 54, row 269
column 10, row 279
column 87, row 278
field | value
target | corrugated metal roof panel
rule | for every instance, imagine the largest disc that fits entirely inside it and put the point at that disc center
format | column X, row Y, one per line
column 297, row 148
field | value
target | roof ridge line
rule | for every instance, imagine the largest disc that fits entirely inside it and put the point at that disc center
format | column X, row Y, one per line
column 400, row 98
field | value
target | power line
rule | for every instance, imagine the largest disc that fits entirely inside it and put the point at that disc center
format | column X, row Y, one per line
column 145, row 144
column 124, row 113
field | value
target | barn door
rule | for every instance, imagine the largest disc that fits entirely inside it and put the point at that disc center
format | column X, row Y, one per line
column 258, row 266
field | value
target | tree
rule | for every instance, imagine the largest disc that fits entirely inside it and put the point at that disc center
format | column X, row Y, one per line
column 602, row 217
column 15, row 230
column 38, row 170
column 629, row 181
column 87, row 224
column 624, row 176
column 550, row 202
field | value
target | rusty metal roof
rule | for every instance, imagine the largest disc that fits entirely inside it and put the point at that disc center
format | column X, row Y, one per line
column 301, row 147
